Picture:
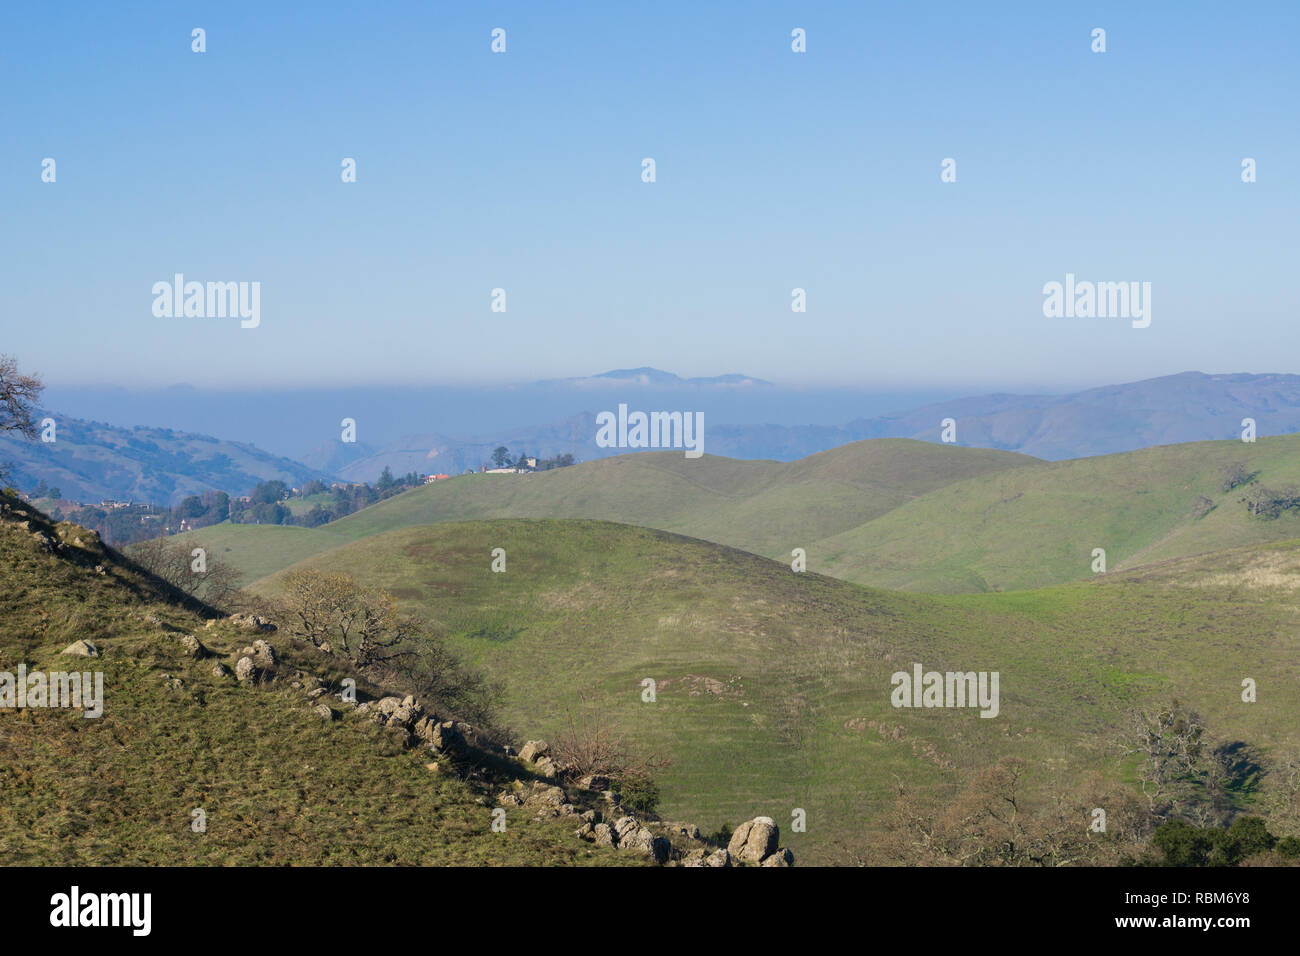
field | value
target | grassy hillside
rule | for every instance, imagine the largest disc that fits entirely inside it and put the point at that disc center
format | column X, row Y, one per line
column 278, row 785
column 1036, row 526
column 773, row 687
column 890, row 513
column 765, row 507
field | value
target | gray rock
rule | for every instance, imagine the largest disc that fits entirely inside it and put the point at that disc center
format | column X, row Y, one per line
column 325, row 712
column 717, row 859
column 542, row 794
column 445, row 736
column 264, row 654
column 193, row 646
column 80, row 649
column 245, row 668
column 604, row 834
column 779, row 858
column 534, row 749
column 251, row 622
column 754, row 840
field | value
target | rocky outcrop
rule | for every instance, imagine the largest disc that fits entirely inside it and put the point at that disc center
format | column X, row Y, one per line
column 80, row 649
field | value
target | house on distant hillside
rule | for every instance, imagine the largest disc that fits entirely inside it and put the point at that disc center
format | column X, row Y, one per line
column 430, row 479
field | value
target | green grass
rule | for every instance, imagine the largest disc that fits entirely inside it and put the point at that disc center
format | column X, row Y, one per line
column 765, row 507
column 888, row 513
column 278, row 785
column 798, row 713
column 1037, row 526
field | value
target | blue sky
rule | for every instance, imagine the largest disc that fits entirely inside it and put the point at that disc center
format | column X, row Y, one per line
column 774, row 170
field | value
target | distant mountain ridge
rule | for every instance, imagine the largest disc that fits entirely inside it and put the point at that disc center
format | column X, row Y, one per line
column 91, row 461
column 1187, row 407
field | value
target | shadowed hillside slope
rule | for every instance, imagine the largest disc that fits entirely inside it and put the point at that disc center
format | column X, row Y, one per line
column 773, row 688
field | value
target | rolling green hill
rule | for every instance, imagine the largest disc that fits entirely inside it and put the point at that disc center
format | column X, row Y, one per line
column 1037, row 526
column 760, row 506
column 889, row 513
column 278, row 786
column 773, row 688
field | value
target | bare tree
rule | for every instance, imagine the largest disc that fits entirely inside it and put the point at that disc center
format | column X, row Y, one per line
column 210, row 580
column 18, row 394
column 1170, row 744
column 997, row 821
column 594, row 744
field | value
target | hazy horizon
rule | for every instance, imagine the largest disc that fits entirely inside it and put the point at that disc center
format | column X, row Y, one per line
column 775, row 171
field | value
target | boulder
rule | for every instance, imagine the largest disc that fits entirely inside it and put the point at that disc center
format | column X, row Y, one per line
column 544, row 795
column 220, row 670
column 624, row 827
column 80, row 649
column 424, row 728
column 779, row 858
column 325, row 712
column 245, row 668
column 604, row 834
column 264, row 654
column 193, row 646
column 754, row 840
column 405, row 714
column 445, row 736
column 548, row 768
column 534, row 749
column 251, row 622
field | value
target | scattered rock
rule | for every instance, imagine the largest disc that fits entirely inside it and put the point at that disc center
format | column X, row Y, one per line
column 325, row 712
column 193, row 646
column 220, row 670
column 245, row 668
column 604, row 834
column 251, row 622
column 81, row 649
